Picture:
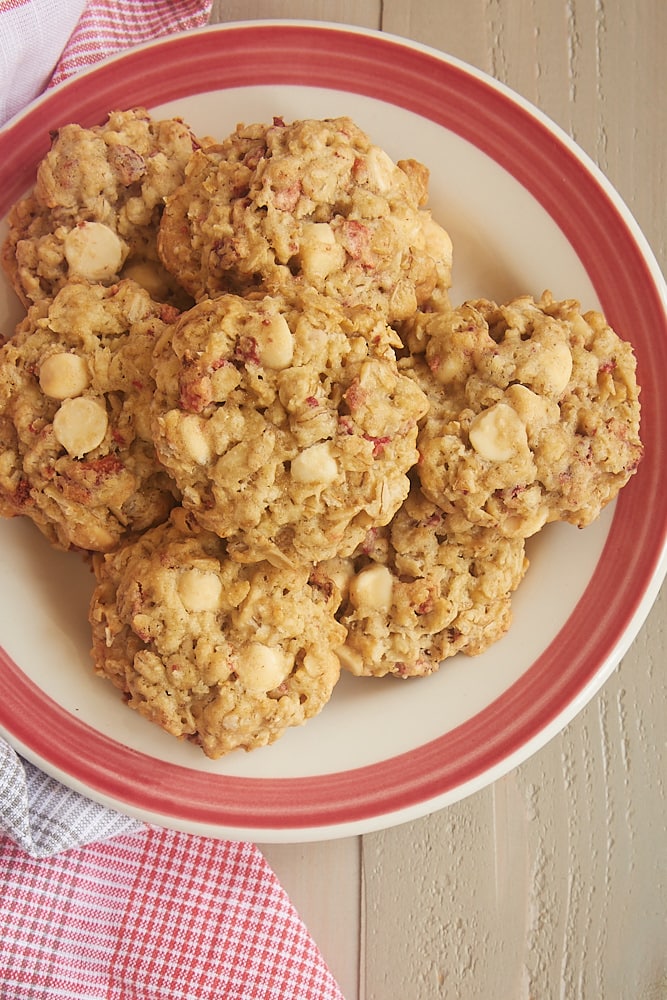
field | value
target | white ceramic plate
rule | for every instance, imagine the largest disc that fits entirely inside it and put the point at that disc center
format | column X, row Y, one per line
column 526, row 211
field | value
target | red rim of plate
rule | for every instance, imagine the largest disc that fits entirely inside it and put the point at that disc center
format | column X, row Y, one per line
column 631, row 292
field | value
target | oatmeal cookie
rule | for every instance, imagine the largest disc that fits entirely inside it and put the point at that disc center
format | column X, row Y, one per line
column 309, row 203
column 288, row 429
column 534, row 413
column 96, row 206
column 223, row 654
column 418, row 592
column 76, row 452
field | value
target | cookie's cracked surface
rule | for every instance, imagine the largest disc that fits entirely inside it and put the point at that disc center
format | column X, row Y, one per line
column 76, row 448
column 220, row 653
column 287, row 427
column 535, row 412
column 311, row 203
column 96, row 206
column 418, row 591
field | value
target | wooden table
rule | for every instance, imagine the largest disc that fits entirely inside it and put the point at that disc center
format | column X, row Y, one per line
column 551, row 883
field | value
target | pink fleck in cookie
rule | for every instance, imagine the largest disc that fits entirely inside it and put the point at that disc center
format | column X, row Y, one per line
column 418, row 592
column 288, row 429
column 534, row 413
column 312, row 203
column 96, row 206
column 223, row 654
column 76, row 452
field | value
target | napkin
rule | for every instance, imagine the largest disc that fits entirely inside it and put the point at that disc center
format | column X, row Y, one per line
column 44, row 817
column 107, row 26
column 42, row 42
column 32, row 38
column 94, row 903
column 153, row 915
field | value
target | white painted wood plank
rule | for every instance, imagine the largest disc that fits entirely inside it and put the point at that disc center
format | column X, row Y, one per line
column 366, row 13
column 549, row 884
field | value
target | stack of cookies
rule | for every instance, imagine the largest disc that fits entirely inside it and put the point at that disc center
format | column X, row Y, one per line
column 241, row 386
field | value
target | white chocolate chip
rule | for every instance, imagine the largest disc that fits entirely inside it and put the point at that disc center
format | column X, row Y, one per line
column 80, row 424
column 381, row 169
column 340, row 571
column 150, row 276
column 557, row 367
column 199, row 590
column 449, row 367
column 535, row 412
column 372, row 589
column 497, row 434
column 193, row 440
column 262, row 668
column 93, row 251
column 315, row 465
column 547, row 368
column 63, row 376
column 319, row 252
column 276, row 343
column 527, row 524
column 350, row 660
column 438, row 240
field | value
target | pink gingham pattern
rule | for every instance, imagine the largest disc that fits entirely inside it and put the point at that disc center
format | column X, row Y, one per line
column 108, row 26
column 95, row 904
column 154, row 915
column 43, row 42
column 33, row 35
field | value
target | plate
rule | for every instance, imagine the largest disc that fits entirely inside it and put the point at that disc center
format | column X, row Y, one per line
column 527, row 210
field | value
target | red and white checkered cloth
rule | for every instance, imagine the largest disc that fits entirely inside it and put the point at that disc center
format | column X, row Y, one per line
column 154, row 915
column 107, row 26
column 94, row 904
column 43, row 42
